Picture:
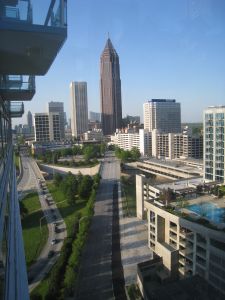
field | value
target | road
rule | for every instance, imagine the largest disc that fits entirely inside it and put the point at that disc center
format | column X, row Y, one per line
column 95, row 276
column 33, row 180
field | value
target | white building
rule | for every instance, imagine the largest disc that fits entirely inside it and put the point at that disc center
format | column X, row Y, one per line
column 163, row 115
column 93, row 135
column 79, row 108
column 127, row 141
column 214, row 143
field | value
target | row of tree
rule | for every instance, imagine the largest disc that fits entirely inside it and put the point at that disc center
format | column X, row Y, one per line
column 126, row 155
column 88, row 152
column 76, row 186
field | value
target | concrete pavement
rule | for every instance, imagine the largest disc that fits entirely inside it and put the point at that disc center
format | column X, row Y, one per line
column 95, row 276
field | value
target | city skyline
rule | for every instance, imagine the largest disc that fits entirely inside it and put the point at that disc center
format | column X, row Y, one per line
column 180, row 46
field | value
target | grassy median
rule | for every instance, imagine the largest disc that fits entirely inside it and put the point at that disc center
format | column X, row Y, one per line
column 34, row 237
column 129, row 195
column 70, row 214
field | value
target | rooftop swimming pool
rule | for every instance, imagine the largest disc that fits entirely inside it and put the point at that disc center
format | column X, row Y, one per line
column 209, row 211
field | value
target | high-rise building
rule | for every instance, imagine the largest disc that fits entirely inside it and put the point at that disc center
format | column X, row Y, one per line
column 163, row 115
column 79, row 108
column 41, row 127
column 47, row 127
column 58, row 107
column 213, row 148
column 29, row 119
column 110, row 84
column 26, row 47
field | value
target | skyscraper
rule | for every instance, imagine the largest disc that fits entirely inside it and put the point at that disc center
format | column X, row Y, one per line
column 79, row 108
column 163, row 115
column 58, row 107
column 29, row 119
column 110, row 84
column 214, row 128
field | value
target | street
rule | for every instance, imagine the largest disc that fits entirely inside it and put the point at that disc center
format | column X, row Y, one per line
column 95, row 276
column 33, row 180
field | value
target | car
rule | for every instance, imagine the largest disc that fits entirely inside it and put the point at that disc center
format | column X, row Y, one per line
column 53, row 242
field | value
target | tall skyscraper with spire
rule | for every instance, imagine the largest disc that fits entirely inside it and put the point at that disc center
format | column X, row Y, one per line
column 110, row 84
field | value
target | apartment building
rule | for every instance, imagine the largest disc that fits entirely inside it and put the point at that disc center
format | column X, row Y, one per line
column 47, row 127
column 127, row 141
column 187, row 245
column 172, row 145
column 41, row 127
column 26, row 49
column 214, row 126
column 163, row 115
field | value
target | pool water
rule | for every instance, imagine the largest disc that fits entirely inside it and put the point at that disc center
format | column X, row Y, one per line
column 209, row 211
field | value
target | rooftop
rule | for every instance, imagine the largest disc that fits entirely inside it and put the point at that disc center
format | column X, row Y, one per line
column 162, row 100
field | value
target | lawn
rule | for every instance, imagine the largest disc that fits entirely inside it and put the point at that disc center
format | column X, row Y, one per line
column 67, row 211
column 34, row 238
column 17, row 162
column 129, row 194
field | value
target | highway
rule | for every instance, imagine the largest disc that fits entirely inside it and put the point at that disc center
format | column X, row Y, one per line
column 95, row 275
column 33, row 180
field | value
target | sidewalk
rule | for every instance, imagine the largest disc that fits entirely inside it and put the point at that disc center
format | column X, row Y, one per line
column 133, row 243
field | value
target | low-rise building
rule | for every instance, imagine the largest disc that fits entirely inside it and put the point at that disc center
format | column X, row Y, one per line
column 95, row 134
column 188, row 242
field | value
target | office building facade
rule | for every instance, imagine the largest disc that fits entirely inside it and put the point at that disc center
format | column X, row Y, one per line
column 79, row 108
column 41, row 127
column 47, row 127
column 26, row 49
column 213, row 124
column 58, row 107
column 163, row 115
column 94, row 116
column 110, row 85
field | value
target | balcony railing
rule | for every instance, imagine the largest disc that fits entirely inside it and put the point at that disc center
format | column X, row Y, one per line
column 22, row 11
column 31, row 35
column 16, row 109
column 17, row 87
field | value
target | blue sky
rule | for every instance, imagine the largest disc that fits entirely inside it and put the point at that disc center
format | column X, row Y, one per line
column 167, row 49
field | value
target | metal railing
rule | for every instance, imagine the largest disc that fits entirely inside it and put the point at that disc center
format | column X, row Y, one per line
column 25, row 11
column 16, row 109
column 17, row 83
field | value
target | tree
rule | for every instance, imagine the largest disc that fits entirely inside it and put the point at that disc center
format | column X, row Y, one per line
column 85, row 187
column 167, row 196
column 57, row 179
column 88, row 152
column 135, row 153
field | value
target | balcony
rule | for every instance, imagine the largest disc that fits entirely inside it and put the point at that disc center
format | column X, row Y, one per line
column 16, row 109
column 17, row 87
column 30, row 42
